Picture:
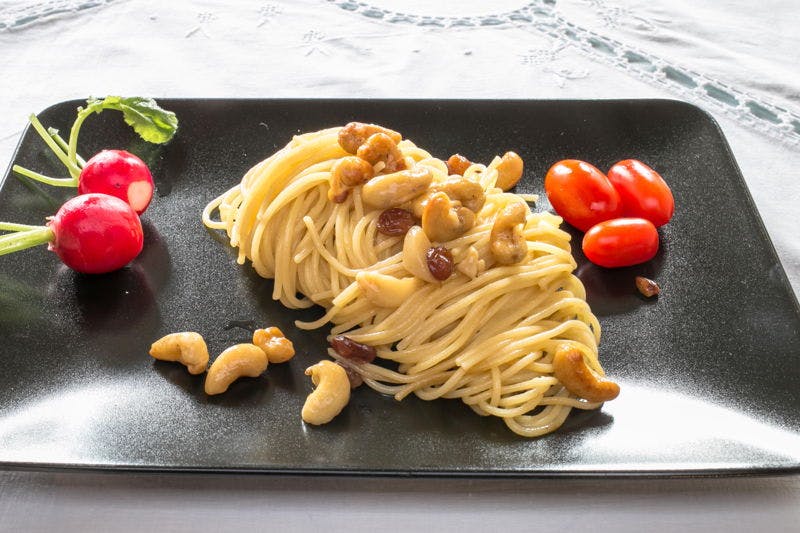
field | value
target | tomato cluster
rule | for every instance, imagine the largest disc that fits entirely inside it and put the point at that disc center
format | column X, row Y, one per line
column 619, row 211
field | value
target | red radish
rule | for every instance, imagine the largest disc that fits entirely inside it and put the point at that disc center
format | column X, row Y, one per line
column 121, row 174
column 92, row 233
column 113, row 172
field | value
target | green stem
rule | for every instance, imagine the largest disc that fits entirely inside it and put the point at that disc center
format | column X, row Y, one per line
column 10, row 226
column 72, row 167
column 64, row 146
column 57, row 182
column 83, row 114
column 14, row 242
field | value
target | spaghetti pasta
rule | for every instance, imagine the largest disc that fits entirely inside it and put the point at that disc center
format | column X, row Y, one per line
column 486, row 335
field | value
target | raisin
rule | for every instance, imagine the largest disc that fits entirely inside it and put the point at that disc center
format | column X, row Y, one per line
column 395, row 222
column 350, row 349
column 458, row 164
column 647, row 287
column 353, row 377
column 440, row 262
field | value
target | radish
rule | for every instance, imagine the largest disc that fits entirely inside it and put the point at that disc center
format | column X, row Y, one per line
column 91, row 233
column 113, row 172
column 121, row 174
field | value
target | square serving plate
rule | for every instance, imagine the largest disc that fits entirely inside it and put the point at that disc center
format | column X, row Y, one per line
column 709, row 370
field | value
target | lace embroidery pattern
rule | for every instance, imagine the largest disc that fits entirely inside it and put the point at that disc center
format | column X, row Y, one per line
column 752, row 111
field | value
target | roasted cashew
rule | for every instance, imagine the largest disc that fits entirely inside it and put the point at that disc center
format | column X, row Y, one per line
column 278, row 348
column 415, row 247
column 346, row 173
column 187, row 347
column 507, row 241
column 509, row 170
column 457, row 164
column 331, row 394
column 468, row 192
column 417, row 205
column 385, row 291
column 390, row 190
column 471, row 264
column 237, row 361
column 573, row 372
column 354, row 134
column 444, row 220
column 380, row 148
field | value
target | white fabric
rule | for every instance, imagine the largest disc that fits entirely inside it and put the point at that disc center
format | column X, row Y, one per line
column 735, row 58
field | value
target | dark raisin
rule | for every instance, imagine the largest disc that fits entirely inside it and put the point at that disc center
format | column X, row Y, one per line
column 440, row 262
column 395, row 222
column 350, row 349
column 353, row 377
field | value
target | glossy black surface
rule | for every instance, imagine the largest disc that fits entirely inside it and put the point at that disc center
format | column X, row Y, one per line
column 709, row 371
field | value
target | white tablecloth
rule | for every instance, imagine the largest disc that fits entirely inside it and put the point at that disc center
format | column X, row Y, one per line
column 734, row 58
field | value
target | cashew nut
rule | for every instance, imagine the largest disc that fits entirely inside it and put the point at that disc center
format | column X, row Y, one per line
column 573, row 372
column 331, row 394
column 468, row 192
column 472, row 264
column 187, row 347
column 346, row 173
column 385, row 291
column 354, row 134
column 509, row 170
column 458, row 164
column 237, row 361
column 444, row 220
column 507, row 241
column 381, row 148
column 390, row 190
column 278, row 348
column 417, row 205
column 415, row 247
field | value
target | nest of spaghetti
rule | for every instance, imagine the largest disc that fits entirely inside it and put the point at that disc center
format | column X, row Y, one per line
column 432, row 263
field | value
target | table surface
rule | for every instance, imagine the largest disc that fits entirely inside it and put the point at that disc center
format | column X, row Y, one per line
column 737, row 64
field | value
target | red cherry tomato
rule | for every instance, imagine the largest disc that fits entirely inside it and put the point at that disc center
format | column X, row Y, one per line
column 643, row 191
column 581, row 194
column 621, row 242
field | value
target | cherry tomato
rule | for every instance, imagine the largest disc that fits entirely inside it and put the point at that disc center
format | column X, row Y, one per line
column 643, row 191
column 621, row 242
column 581, row 194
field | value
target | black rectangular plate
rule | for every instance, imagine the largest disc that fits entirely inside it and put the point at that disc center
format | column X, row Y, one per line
column 709, row 370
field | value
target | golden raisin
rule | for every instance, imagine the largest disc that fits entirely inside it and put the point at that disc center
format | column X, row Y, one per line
column 458, row 164
column 395, row 222
column 647, row 287
column 440, row 262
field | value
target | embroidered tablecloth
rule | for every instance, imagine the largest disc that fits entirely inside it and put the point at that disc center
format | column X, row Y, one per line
column 736, row 59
